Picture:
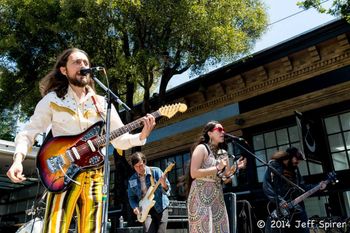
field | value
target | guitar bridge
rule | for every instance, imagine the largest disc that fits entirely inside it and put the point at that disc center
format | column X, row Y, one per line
column 54, row 163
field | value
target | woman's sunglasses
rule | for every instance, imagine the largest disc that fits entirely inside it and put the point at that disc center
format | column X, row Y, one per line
column 219, row 129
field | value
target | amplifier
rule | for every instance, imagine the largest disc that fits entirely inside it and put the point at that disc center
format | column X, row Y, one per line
column 177, row 209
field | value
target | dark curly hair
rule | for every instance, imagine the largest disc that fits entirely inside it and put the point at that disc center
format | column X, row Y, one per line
column 288, row 154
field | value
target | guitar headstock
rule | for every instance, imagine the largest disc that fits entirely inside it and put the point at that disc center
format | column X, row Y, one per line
column 169, row 168
column 170, row 110
column 332, row 178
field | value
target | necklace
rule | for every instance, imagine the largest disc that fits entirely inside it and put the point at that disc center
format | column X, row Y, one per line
column 214, row 149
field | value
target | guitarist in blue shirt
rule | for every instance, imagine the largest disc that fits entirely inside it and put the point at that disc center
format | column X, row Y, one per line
column 277, row 189
column 148, row 191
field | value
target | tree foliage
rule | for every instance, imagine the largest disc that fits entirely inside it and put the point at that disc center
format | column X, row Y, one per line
column 8, row 125
column 140, row 42
column 340, row 8
column 168, row 37
column 29, row 37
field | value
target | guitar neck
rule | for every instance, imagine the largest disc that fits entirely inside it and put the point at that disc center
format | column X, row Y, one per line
column 307, row 194
column 155, row 187
column 101, row 140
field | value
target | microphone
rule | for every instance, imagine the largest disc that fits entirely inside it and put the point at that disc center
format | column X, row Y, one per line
column 233, row 137
column 85, row 71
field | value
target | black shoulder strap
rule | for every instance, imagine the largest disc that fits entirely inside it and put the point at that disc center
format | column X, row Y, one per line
column 207, row 147
column 48, row 137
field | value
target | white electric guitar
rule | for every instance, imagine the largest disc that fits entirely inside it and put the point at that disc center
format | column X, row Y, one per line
column 147, row 202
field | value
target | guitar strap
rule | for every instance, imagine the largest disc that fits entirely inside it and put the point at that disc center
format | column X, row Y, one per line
column 152, row 178
column 97, row 108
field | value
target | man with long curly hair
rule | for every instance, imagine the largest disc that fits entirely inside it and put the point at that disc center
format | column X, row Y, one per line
column 70, row 105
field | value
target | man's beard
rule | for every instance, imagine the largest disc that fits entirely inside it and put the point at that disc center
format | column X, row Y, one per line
column 77, row 82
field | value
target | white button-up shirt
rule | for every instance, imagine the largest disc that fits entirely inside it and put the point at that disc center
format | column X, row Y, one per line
column 70, row 116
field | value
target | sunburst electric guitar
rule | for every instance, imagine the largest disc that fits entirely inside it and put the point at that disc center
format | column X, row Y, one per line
column 62, row 158
column 147, row 201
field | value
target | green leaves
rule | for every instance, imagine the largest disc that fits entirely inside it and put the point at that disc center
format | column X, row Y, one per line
column 139, row 42
column 182, row 34
column 339, row 7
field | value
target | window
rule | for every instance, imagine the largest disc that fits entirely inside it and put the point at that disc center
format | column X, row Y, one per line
column 267, row 143
column 346, row 196
column 176, row 177
column 315, row 206
column 338, row 133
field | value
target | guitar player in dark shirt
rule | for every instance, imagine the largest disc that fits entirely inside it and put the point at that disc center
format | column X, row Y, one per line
column 286, row 163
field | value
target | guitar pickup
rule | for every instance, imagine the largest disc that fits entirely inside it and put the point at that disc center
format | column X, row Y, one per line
column 54, row 163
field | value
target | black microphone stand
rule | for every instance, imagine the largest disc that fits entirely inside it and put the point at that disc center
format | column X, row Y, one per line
column 110, row 93
column 106, row 165
column 236, row 140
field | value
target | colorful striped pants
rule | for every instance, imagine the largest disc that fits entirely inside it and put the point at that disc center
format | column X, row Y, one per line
column 84, row 199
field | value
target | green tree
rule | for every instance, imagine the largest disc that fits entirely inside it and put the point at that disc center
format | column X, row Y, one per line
column 7, row 125
column 340, row 8
column 169, row 37
column 95, row 28
column 29, row 38
column 139, row 42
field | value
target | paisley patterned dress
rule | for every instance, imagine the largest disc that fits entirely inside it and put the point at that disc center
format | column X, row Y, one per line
column 206, row 207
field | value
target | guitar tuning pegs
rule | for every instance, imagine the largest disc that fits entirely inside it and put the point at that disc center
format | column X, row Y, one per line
column 332, row 178
column 171, row 162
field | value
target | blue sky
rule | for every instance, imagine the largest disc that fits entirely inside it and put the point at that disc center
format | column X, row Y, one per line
column 290, row 27
column 280, row 29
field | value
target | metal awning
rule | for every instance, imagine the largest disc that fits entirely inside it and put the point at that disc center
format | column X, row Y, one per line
column 7, row 149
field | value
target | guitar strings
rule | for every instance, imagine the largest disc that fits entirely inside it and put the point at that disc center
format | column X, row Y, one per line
column 100, row 141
